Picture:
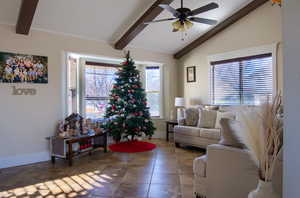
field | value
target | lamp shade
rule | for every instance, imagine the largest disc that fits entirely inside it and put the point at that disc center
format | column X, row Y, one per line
column 179, row 102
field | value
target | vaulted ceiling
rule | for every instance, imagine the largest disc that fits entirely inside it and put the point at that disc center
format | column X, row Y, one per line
column 108, row 20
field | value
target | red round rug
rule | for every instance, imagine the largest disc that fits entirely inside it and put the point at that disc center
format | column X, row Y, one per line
column 132, row 146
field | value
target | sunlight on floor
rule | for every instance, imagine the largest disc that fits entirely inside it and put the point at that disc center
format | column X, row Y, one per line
column 72, row 186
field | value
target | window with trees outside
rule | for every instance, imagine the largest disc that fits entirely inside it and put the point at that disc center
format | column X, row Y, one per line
column 242, row 81
column 153, row 90
column 89, row 84
column 98, row 84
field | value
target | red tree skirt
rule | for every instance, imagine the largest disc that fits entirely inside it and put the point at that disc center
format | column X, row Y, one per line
column 132, row 147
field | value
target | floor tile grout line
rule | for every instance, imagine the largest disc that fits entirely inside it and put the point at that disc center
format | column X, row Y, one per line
column 152, row 174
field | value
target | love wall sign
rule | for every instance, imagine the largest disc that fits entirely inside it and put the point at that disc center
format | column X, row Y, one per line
column 23, row 91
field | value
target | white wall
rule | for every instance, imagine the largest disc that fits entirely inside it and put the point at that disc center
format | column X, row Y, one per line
column 25, row 121
column 291, row 37
column 261, row 27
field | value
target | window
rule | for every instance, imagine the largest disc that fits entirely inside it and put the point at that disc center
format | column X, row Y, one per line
column 89, row 82
column 242, row 81
column 98, row 83
column 153, row 90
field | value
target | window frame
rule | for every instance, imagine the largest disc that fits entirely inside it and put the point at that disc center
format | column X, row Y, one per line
column 144, row 79
column 240, row 78
column 248, row 52
column 80, row 91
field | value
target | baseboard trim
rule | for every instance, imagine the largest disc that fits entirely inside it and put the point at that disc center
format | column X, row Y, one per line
column 159, row 135
column 25, row 159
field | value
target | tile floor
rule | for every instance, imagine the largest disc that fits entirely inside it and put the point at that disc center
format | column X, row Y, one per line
column 165, row 172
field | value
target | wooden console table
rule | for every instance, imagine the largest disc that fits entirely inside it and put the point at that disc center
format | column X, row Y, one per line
column 64, row 148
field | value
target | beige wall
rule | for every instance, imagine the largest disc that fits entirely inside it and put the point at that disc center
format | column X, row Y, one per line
column 25, row 121
column 261, row 27
column 291, row 99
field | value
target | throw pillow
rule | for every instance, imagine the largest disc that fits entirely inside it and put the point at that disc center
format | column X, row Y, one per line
column 220, row 115
column 207, row 118
column 181, row 121
column 191, row 116
column 229, row 128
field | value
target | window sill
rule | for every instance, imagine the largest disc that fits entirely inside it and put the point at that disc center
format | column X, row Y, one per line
column 157, row 118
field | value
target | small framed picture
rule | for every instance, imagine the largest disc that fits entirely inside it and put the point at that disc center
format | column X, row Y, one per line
column 191, row 74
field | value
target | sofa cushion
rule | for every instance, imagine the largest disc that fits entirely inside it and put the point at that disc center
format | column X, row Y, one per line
column 191, row 116
column 207, row 118
column 210, row 133
column 199, row 166
column 220, row 115
column 229, row 128
column 187, row 130
column 181, row 121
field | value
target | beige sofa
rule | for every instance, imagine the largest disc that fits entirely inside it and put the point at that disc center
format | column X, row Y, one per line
column 229, row 172
column 191, row 133
column 194, row 136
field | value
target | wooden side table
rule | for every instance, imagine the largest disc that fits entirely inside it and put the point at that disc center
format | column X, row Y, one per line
column 169, row 127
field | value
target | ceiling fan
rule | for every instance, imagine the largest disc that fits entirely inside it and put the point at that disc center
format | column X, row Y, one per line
column 185, row 17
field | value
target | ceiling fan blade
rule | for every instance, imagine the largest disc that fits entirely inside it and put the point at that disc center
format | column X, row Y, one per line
column 160, row 20
column 205, row 8
column 170, row 9
column 203, row 20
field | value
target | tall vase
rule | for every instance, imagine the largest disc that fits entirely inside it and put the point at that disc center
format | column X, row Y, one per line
column 263, row 190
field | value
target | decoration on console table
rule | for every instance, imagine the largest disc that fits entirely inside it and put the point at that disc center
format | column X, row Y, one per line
column 20, row 68
column 76, row 125
column 127, row 113
column 191, row 74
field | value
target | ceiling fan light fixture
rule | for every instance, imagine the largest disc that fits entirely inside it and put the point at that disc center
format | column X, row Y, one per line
column 188, row 24
column 177, row 24
column 185, row 17
column 182, row 28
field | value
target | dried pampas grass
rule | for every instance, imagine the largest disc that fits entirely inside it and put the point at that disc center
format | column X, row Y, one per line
column 261, row 131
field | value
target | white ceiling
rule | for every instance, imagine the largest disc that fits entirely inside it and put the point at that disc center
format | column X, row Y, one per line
column 107, row 20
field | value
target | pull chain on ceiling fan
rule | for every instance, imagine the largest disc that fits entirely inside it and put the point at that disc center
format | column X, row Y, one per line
column 185, row 17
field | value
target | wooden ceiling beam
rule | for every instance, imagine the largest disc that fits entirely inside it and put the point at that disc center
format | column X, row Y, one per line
column 139, row 25
column 220, row 27
column 26, row 14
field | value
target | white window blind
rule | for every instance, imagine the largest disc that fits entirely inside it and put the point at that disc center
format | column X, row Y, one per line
column 245, row 80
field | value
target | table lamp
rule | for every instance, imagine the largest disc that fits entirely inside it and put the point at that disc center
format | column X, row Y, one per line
column 179, row 104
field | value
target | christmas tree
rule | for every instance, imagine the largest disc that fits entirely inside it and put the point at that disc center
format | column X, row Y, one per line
column 127, row 111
